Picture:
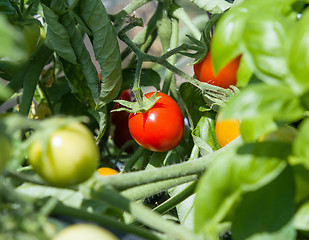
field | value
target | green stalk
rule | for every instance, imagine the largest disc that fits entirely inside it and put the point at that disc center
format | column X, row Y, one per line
column 172, row 60
column 104, row 221
column 135, row 5
column 147, row 190
column 196, row 166
column 141, row 213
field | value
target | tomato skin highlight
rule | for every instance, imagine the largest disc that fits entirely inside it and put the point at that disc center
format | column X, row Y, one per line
column 227, row 130
column 119, row 120
column 161, row 128
column 71, row 156
column 227, row 75
column 106, row 171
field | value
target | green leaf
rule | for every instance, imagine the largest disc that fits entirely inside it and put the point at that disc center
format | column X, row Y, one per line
column 78, row 83
column 301, row 144
column 105, row 47
column 301, row 221
column 301, row 182
column 298, row 59
column 4, row 92
column 57, row 37
column 260, row 216
column 212, row 6
column 227, row 39
column 237, row 171
column 266, row 42
column 193, row 100
column 252, row 129
column 261, row 100
column 6, row 8
column 149, row 77
column 204, row 135
column 12, row 41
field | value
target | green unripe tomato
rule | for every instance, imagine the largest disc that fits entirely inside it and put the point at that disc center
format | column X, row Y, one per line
column 70, row 155
column 84, row 231
column 5, row 151
column 31, row 32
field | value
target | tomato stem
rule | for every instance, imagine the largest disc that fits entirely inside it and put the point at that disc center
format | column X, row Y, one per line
column 147, row 190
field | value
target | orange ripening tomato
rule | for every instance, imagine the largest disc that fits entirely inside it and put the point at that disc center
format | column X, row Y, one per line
column 227, row 130
column 227, row 75
column 106, row 171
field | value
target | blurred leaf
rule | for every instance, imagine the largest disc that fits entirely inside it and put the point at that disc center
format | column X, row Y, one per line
column 261, row 216
column 212, row 6
column 301, row 144
column 298, row 59
column 193, row 100
column 261, row 100
column 301, row 221
column 149, row 77
column 106, row 49
column 204, row 135
column 301, row 175
column 252, row 129
column 266, row 42
column 237, row 171
column 4, row 92
column 12, row 42
column 57, row 37
column 6, row 8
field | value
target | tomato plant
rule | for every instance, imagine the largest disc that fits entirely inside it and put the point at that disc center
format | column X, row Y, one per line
column 82, row 231
column 227, row 130
column 227, row 76
column 161, row 128
column 106, row 171
column 68, row 157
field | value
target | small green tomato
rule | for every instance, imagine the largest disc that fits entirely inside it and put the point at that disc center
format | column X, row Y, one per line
column 84, row 231
column 69, row 157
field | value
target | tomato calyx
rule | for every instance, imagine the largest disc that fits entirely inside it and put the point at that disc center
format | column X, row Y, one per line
column 136, row 107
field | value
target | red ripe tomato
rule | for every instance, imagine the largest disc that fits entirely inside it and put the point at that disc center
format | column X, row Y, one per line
column 120, row 131
column 161, row 128
column 227, row 75
column 227, row 130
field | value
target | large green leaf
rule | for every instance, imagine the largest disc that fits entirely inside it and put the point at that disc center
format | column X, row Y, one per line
column 260, row 216
column 299, row 55
column 105, row 47
column 57, row 37
column 269, row 101
column 236, row 172
column 266, row 44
